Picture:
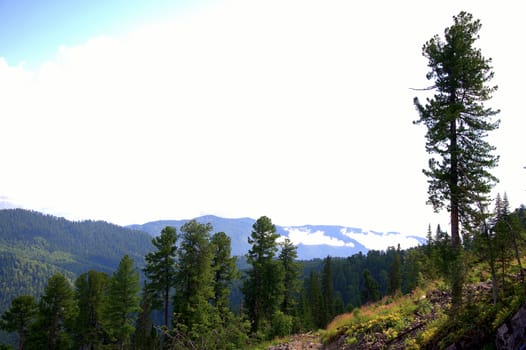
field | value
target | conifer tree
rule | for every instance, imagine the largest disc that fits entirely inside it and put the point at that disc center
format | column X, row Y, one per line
column 263, row 288
column 57, row 310
column 19, row 317
column 395, row 277
column 327, row 290
column 90, row 290
column 145, row 336
column 457, row 123
column 291, row 269
column 315, row 299
column 225, row 272
column 123, row 303
column 371, row 289
column 161, row 270
column 194, row 281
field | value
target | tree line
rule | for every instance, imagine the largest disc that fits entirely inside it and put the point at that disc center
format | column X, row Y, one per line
column 185, row 301
column 188, row 280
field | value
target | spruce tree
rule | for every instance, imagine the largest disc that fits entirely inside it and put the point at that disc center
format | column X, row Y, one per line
column 161, row 269
column 457, row 123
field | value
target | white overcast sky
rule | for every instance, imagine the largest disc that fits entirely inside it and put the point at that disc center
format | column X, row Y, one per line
column 298, row 110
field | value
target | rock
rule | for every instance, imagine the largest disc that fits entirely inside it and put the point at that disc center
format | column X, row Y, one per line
column 512, row 333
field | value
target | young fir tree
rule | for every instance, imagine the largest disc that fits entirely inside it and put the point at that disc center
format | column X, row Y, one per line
column 457, row 123
column 90, row 290
column 161, row 270
column 122, row 305
column 194, row 282
column 19, row 317
column 263, row 287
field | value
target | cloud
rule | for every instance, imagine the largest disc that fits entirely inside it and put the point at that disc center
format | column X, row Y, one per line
column 373, row 240
column 239, row 108
column 305, row 236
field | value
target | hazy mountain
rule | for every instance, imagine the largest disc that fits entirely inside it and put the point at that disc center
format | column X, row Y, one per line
column 313, row 241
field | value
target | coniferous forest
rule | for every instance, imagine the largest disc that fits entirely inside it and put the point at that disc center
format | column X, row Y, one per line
column 183, row 289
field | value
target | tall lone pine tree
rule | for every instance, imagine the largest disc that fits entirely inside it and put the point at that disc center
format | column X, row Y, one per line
column 457, row 123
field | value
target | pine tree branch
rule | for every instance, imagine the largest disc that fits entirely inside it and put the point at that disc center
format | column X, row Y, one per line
column 424, row 89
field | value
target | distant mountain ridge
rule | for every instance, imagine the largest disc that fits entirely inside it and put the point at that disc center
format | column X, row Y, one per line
column 313, row 241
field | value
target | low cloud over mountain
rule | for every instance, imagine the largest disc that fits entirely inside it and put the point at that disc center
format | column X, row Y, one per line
column 313, row 241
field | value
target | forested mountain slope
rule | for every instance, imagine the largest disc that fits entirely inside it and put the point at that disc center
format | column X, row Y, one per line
column 33, row 246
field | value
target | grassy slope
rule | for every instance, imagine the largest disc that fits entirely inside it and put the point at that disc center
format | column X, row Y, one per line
column 424, row 320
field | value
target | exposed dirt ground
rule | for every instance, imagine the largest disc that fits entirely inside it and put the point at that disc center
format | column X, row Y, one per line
column 306, row 341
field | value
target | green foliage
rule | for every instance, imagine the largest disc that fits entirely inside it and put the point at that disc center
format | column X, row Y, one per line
column 56, row 314
column 291, row 271
column 327, row 290
column 385, row 318
column 281, row 324
column 395, row 275
column 314, row 299
column 20, row 317
column 263, row 289
column 457, row 120
column 371, row 290
column 194, row 281
column 90, row 289
column 34, row 247
column 160, row 270
column 72, row 246
column 122, row 305
column 146, row 336
column 457, row 123
column 225, row 272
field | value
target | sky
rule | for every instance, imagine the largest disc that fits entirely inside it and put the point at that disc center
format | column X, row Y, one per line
column 300, row 110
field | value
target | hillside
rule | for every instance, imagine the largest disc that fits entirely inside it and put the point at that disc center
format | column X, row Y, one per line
column 33, row 246
column 423, row 319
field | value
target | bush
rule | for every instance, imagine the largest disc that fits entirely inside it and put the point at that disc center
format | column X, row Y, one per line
column 281, row 324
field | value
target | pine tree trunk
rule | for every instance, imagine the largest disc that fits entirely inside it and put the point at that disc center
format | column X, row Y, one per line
column 166, row 301
column 457, row 278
